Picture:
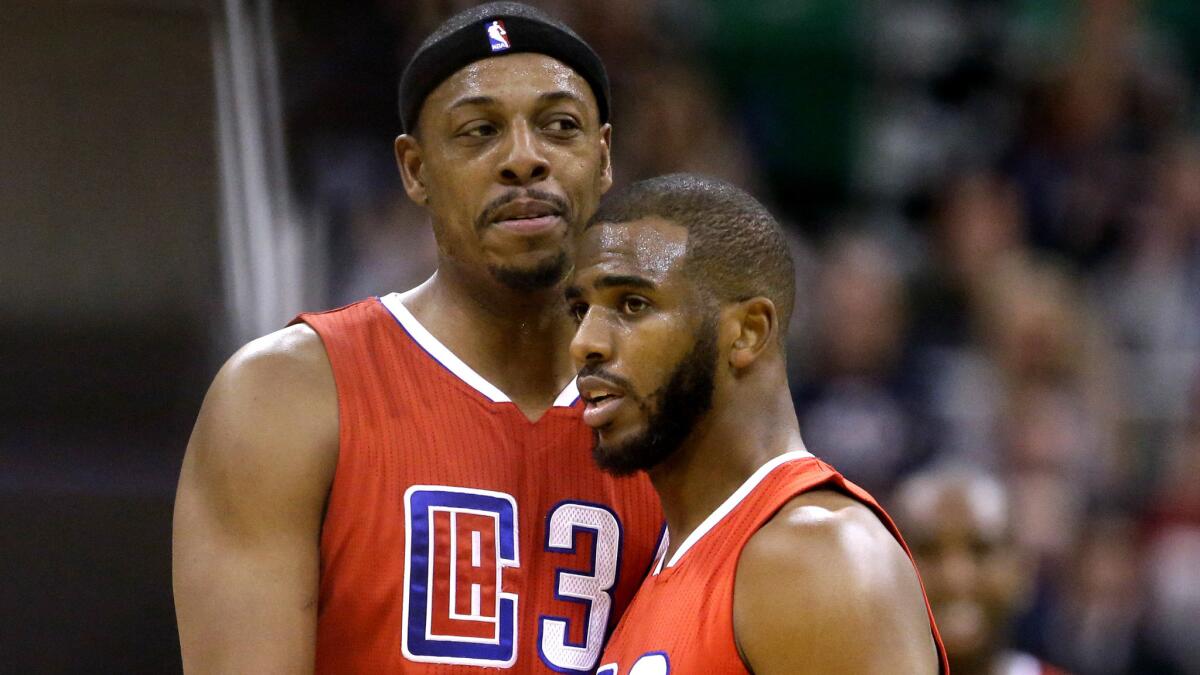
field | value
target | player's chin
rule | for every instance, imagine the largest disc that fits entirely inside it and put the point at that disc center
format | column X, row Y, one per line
column 614, row 454
column 615, row 464
column 533, row 271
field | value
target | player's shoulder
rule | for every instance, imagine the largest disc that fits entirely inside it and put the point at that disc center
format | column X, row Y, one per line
column 284, row 376
column 828, row 523
column 826, row 567
column 295, row 354
column 274, row 400
column 261, row 458
column 829, row 536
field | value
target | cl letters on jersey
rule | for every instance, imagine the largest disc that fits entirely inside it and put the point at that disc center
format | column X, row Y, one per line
column 458, row 542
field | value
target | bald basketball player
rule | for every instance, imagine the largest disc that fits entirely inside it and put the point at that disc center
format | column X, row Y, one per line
column 959, row 522
column 404, row 485
column 776, row 564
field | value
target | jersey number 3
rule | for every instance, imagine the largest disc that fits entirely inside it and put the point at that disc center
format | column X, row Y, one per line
column 459, row 541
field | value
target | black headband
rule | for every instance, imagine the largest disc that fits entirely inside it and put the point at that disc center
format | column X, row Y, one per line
column 495, row 29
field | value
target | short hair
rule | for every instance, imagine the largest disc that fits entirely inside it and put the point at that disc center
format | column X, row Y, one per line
column 735, row 251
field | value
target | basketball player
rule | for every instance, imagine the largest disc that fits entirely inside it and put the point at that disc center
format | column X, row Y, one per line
column 403, row 485
column 775, row 563
column 959, row 524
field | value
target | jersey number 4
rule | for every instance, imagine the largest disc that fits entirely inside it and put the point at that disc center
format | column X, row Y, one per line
column 459, row 541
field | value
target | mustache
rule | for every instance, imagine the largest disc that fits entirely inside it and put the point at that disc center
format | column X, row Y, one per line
column 595, row 369
column 489, row 210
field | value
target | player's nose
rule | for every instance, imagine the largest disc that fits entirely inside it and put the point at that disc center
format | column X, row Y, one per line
column 524, row 162
column 592, row 342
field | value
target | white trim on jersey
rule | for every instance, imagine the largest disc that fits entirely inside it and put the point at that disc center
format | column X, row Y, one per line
column 568, row 396
column 394, row 302
column 734, row 499
column 660, row 555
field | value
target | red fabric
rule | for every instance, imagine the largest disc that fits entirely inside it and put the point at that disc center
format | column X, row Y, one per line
column 405, row 420
column 685, row 612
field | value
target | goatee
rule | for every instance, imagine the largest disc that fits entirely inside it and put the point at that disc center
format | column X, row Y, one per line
column 539, row 278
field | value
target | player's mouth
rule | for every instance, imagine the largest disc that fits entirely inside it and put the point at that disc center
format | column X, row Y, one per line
column 601, row 400
column 527, row 216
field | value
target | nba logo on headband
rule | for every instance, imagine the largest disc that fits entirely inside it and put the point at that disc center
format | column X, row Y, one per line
column 497, row 36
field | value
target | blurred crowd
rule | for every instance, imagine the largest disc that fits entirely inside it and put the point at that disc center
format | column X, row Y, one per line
column 995, row 209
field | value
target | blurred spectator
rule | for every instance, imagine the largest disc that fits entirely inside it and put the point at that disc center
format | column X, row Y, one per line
column 1056, row 423
column 1094, row 628
column 790, row 72
column 978, row 226
column 957, row 523
column 1173, row 562
column 670, row 120
column 852, row 407
column 1151, row 293
column 393, row 248
column 1176, row 501
column 1090, row 119
column 1173, row 554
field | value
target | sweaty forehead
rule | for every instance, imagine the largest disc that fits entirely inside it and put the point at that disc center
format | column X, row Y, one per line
column 650, row 247
column 511, row 75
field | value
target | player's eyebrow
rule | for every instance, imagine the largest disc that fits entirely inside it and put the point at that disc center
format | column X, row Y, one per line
column 545, row 97
column 612, row 281
column 625, row 280
column 472, row 100
column 560, row 95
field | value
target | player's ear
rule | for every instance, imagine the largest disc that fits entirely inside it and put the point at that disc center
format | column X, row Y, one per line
column 606, row 179
column 756, row 328
column 410, row 161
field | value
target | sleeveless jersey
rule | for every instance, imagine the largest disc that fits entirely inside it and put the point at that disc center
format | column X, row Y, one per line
column 681, row 620
column 459, row 535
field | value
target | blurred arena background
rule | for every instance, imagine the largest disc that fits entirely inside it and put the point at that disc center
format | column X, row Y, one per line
column 995, row 208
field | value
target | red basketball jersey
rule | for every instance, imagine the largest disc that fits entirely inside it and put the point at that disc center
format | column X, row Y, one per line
column 681, row 620
column 458, row 534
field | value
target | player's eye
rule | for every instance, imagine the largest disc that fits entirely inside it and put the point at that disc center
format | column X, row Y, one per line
column 563, row 126
column 478, row 130
column 634, row 304
column 578, row 310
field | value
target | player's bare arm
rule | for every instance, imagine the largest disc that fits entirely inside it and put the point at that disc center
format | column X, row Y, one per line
column 249, row 506
column 825, row 588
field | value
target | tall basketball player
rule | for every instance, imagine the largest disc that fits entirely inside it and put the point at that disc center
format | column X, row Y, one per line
column 403, row 485
column 775, row 563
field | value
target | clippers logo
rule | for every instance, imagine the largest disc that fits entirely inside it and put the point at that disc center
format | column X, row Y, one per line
column 458, row 543
column 497, row 36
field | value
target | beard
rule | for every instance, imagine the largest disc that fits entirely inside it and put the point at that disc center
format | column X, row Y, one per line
column 544, row 275
column 671, row 412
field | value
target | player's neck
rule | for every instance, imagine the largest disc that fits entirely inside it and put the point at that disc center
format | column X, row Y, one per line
column 737, row 437
column 516, row 341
